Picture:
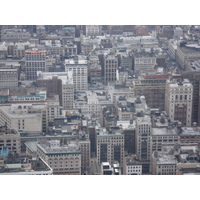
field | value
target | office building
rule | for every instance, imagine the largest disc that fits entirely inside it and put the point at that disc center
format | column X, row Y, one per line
column 79, row 69
column 193, row 75
column 109, row 68
column 153, row 88
column 178, row 101
column 110, row 147
column 35, row 60
column 143, row 141
column 63, row 159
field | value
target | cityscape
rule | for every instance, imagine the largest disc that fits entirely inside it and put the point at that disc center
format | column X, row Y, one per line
column 99, row 100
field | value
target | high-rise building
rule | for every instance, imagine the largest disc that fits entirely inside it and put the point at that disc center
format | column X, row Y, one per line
column 79, row 69
column 35, row 60
column 178, row 101
column 193, row 75
column 85, row 152
column 110, row 147
column 143, row 138
column 109, row 68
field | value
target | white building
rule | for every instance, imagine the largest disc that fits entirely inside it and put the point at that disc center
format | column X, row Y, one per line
column 17, row 117
column 178, row 101
column 30, row 118
column 133, row 169
column 79, row 69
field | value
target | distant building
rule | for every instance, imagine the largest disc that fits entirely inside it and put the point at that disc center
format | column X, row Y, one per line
column 110, row 147
column 10, row 138
column 35, row 60
column 153, row 88
column 109, row 68
column 178, row 101
column 79, row 69
column 59, row 83
column 187, row 53
column 26, row 166
column 163, row 164
column 143, row 138
column 93, row 30
column 15, row 35
column 9, row 78
column 141, row 31
column 144, row 62
column 193, row 75
column 172, row 49
column 30, row 118
column 64, row 160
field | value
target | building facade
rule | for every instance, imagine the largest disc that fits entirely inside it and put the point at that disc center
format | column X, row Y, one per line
column 9, row 78
column 178, row 101
column 35, row 60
